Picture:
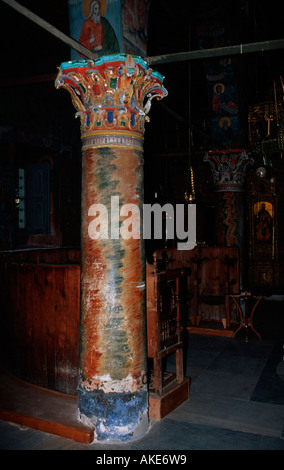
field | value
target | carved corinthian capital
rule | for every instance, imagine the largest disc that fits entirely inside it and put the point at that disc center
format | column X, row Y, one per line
column 228, row 168
column 113, row 93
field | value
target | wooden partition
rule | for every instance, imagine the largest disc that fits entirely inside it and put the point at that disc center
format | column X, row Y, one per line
column 212, row 273
column 39, row 323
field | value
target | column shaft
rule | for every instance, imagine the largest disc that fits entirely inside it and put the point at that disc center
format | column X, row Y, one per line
column 229, row 171
column 113, row 348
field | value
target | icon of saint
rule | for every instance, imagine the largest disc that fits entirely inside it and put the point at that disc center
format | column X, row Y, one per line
column 97, row 34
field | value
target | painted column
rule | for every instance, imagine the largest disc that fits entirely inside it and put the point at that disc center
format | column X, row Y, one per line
column 109, row 95
column 229, row 171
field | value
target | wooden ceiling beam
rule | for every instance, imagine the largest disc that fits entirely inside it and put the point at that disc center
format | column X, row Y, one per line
column 226, row 51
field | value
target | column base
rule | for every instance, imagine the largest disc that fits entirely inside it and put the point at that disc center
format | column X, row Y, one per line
column 121, row 416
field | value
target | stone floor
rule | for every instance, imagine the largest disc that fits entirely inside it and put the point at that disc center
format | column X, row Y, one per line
column 236, row 399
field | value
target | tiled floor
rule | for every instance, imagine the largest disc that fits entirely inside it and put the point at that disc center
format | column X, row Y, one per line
column 236, row 400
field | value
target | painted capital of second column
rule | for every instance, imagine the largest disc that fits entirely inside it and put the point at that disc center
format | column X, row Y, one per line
column 109, row 95
column 229, row 171
column 228, row 168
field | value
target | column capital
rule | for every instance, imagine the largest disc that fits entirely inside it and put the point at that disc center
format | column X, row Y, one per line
column 109, row 95
column 228, row 168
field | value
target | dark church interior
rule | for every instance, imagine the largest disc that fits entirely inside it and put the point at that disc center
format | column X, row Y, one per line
column 216, row 143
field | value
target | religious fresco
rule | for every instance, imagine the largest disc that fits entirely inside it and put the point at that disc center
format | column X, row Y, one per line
column 221, row 82
column 223, row 102
column 96, row 24
column 225, row 131
column 134, row 26
column 108, row 27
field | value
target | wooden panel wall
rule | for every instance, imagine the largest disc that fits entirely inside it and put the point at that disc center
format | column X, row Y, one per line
column 209, row 264
column 40, row 323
